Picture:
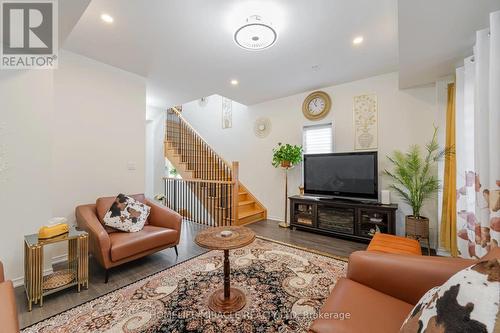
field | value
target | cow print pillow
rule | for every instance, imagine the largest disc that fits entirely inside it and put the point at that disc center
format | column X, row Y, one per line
column 126, row 214
column 468, row 302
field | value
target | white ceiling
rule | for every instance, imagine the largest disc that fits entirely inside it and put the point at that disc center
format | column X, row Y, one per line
column 436, row 35
column 185, row 48
column 69, row 12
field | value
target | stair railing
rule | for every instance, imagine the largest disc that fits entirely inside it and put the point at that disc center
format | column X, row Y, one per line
column 195, row 151
column 208, row 202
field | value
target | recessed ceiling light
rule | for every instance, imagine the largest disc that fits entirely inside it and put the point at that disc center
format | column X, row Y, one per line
column 107, row 18
column 234, row 82
column 358, row 40
column 255, row 34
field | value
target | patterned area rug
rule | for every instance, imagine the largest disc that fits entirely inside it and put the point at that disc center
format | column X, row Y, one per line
column 284, row 286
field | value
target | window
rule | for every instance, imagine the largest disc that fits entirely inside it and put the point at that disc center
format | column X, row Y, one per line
column 318, row 139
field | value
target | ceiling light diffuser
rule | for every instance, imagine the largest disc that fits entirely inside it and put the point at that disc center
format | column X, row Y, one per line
column 234, row 82
column 358, row 40
column 107, row 18
column 255, row 34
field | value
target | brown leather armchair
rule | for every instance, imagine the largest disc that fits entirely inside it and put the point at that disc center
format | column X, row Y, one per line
column 112, row 248
column 8, row 310
column 381, row 289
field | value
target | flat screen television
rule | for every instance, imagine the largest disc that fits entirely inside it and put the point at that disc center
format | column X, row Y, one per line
column 348, row 175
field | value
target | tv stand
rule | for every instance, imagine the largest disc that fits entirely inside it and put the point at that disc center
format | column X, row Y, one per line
column 337, row 199
column 346, row 218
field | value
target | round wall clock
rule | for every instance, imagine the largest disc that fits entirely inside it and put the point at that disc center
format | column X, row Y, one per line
column 317, row 105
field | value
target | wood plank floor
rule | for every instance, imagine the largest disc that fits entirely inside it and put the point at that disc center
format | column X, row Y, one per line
column 340, row 247
column 141, row 268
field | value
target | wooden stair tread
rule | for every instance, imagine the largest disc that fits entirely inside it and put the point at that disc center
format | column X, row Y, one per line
column 244, row 214
column 245, row 202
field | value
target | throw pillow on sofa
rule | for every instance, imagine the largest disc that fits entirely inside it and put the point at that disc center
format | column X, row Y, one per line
column 468, row 302
column 126, row 214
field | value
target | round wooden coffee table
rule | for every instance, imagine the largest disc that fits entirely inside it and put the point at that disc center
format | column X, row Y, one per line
column 227, row 299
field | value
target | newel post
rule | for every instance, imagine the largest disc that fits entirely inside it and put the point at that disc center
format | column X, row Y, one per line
column 236, row 184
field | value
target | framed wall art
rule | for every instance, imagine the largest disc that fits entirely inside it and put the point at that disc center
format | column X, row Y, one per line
column 365, row 122
column 227, row 113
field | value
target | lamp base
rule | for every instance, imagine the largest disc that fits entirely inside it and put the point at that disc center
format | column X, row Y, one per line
column 284, row 225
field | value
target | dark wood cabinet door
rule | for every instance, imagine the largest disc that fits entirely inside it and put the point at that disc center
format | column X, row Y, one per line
column 337, row 219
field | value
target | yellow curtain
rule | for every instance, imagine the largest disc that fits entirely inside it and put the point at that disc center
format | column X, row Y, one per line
column 449, row 212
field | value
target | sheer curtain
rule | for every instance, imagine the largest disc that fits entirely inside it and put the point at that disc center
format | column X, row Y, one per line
column 478, row 144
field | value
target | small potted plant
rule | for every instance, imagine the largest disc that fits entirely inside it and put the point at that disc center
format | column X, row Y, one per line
column 173, row 172
column 286, row 155
column 159, row 197
column 415, row 182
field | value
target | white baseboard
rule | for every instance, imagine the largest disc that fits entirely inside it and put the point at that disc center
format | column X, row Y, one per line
column 274, row 218
column 59, row 259
column 19, row 281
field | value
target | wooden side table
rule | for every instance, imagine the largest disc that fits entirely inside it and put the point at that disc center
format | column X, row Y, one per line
column 227, row 299
column 76, row 273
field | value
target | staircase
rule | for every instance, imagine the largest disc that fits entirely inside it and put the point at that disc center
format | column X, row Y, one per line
column 209, row 190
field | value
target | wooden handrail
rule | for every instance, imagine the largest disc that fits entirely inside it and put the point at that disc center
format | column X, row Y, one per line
column 210, row 172
column 198, row 180
column 194, row 149
column 173, row 108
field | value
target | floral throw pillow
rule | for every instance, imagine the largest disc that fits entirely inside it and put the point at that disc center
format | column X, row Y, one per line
column 126, row 214
column 468, row 302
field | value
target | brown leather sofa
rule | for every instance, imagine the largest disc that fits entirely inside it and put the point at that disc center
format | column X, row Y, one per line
column 112, row 248
column 381, row 289
column 8, row 310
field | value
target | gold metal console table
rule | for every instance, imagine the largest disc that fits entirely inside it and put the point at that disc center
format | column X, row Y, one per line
column 76, row 272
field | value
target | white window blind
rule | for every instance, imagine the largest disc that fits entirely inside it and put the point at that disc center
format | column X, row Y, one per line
column 318, row 139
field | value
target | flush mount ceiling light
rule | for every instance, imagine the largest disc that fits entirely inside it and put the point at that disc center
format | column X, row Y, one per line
column 234, row 82
column 107, row 18
column 255, row 34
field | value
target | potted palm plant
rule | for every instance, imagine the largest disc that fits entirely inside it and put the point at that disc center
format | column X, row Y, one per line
column 286, row 155
column 414, row 181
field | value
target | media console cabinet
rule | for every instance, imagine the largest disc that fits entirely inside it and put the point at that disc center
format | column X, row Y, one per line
column 344, row 218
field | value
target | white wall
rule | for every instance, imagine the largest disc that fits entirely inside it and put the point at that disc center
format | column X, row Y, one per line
column 155, row 151
column 405, row 118
column 99, row 133
column 26, row 108
column 72, row 135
